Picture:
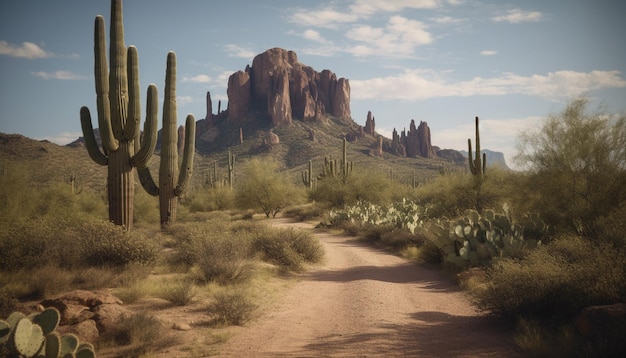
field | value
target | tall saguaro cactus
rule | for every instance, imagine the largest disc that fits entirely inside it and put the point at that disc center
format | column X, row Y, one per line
column 118, row 106
column 477, row 167
column 172, row 181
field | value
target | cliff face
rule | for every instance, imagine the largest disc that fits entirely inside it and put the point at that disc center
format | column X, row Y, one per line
column 286, row 89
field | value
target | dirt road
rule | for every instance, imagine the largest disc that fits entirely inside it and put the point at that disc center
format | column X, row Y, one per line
column 363, row 302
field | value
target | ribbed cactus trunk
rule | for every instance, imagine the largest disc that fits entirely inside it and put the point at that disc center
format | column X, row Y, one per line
column 119, row 112
column 168, row 170
column 171, row 182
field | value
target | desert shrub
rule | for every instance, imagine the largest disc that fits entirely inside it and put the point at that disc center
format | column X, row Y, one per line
column 179, row 292
column 146, row 208
column 448, row 195
column 305, row 212
column 556, row 280
column 223, row 259
column 288, row 248
column 234, row 306
column 218, row 247
column 372, row 186
column 102, row 243
column 139, row 334
column 576, row 165
column 261, row 186
column 398, row 238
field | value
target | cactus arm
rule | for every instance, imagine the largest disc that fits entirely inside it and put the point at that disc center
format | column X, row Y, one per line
column 90, row 139
column 143, row 154
column 134, row 103
column 470, row 158
column 187, row 164
column 109, row 143
column 145, row 178
column 118, row 81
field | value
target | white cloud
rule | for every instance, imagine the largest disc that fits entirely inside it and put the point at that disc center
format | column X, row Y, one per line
column 328, row 18
column 237, row 51
column 59, row 75
column 197, row 79
column 488, row 52
column 517, row 16
column 424, row 84
column 313, row 36
column 399, row 38
column 446, row 20
column 27, row 50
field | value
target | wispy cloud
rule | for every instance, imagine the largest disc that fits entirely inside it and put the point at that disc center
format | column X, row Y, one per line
column 447, row 20
column 238, row 51
column 27, row 50
column 327, row 17
column 398, row 38
column 488, row 52
column 330, row 16
column 59, row 75
column 425, row 84
column 197, row 79
column 517, row 16
column 369, row 7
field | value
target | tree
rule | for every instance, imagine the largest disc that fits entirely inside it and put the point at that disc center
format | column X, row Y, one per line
column 262, row 186
column 576, row 166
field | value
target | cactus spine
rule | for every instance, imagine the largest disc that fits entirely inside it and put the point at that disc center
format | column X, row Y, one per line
column 172, row 182
column 118, row 110
column 477, row 167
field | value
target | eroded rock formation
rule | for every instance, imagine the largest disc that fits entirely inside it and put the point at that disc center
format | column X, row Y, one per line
column 286, row 89
column 416, row 142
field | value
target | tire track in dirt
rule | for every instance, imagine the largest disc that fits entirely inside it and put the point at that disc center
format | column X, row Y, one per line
column 363, row 302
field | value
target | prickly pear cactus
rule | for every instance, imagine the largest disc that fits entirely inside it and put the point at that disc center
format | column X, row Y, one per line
column 474, row 240
column 35, row 336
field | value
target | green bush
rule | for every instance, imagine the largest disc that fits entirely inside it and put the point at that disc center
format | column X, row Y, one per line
column 232, row 307
column 556, row 280
column 102, row 243
column 288, row 248
column 262, row 186
column 576, row 165
column 361, row 186
column 218, row 247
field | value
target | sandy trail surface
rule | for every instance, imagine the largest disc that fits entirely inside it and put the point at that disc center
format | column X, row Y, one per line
column 364, row 302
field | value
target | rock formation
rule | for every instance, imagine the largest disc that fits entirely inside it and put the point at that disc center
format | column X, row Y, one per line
column 370, row 124
column 285, row 89
column 239, row 96
column 416, row 142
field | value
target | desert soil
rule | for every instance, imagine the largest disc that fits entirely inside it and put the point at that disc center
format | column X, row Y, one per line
column 364, row 302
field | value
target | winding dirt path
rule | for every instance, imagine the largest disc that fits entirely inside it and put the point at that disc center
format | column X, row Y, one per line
column 363, row 302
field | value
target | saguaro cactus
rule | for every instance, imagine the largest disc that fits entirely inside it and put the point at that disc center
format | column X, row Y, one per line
column 477, row 167
column 118, row 117
column 307, row 177
column 231, row 170
column 172, row 182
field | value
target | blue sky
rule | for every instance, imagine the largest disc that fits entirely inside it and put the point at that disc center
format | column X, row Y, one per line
column 442, row 61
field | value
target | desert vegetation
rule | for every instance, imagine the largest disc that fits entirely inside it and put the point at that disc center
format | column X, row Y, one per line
column 537, row 246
